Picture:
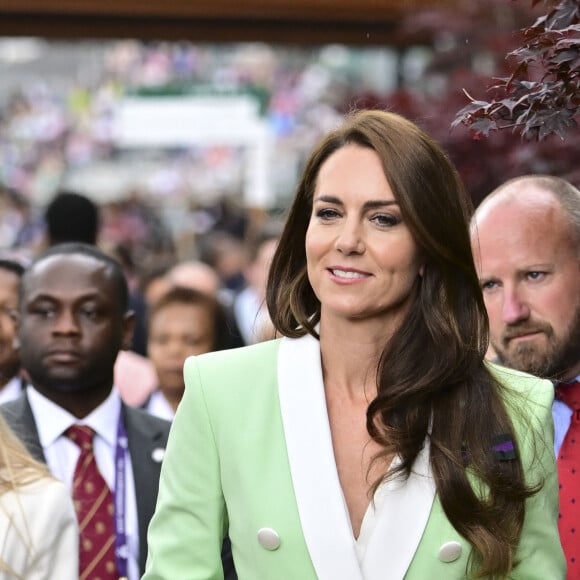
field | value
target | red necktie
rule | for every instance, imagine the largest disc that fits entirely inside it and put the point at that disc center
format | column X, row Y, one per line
column 569, row 479
column 94, row 506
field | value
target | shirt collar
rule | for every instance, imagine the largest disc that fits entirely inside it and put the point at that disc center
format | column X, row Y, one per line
column 56, row 420
column 11, row 390
column 160, row 406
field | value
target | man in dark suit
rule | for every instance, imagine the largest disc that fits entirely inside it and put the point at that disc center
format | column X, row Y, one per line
column 73, row 320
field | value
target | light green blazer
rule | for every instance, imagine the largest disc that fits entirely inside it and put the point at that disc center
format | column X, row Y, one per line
column 250, row 454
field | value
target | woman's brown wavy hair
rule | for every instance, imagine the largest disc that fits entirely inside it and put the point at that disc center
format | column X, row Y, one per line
column 432, row 378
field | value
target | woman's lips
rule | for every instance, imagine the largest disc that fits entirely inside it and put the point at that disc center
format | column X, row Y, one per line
column 347, row 274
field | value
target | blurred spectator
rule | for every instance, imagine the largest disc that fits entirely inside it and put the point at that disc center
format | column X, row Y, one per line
column 197, row 275
column 226, row 254
column 71, row 217
column 136, row 300
column 154, row 283
column 249, row 305
column 11, row 383
column 183, row 322
column 229, row 217
column 132, row 224
column 20, row 228
column 11, row 217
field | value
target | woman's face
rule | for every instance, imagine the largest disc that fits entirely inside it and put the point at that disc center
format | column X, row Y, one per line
column 177, row 331
column 362, row 260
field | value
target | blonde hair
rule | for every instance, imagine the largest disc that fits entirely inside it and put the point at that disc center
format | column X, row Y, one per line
column 17, row 469
column 17, row 466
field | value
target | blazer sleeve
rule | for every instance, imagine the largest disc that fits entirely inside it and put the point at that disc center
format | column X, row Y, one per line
column 186, row 532
column 540, row 554
column 45, row 532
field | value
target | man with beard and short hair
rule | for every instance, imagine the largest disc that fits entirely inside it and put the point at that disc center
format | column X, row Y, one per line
column 526, row 245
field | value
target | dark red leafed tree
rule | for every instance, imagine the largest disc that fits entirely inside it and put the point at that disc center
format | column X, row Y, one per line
column 470, row 47
column 541, row 97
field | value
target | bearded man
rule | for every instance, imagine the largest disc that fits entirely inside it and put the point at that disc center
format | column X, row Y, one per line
column 526, row 243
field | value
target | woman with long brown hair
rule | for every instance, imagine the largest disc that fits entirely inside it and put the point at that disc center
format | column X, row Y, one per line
column 372, row 441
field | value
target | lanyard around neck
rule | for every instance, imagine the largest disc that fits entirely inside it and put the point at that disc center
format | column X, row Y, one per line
column 120, row 498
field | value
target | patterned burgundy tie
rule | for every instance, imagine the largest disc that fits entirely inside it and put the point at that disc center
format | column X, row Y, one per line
column 94, row 506
column 569, row 479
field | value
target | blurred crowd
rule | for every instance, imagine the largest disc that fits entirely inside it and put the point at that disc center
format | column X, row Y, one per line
column 224, row 269
column 48, row 132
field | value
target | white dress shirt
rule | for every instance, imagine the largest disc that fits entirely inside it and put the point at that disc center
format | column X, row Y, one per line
column 11, row 390
column 62, row 454
column 159, row 406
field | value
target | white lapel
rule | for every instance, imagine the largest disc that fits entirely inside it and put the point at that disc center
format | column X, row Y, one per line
column 321, row 506
column 403, row 509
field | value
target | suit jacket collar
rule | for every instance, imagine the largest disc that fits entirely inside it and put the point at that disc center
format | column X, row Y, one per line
column 20, row 417
column 405, row 506
column 147, row 438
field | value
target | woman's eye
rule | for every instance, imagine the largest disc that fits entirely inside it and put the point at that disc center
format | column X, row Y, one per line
column 385, row 220
column 327, row 213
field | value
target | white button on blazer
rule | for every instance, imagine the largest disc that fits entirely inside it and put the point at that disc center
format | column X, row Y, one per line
column 269, row 538
column 450, row 551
